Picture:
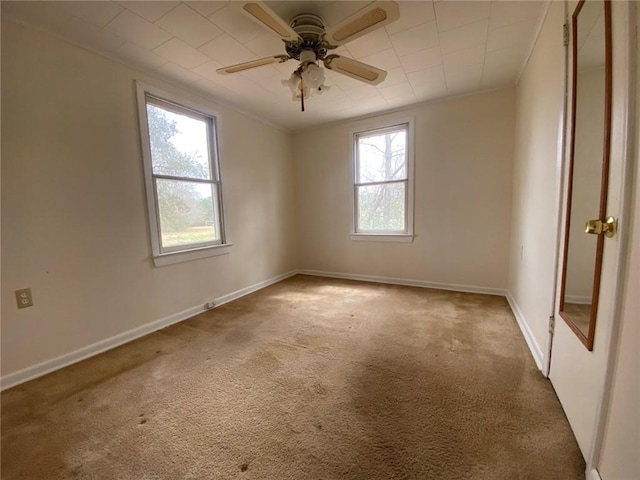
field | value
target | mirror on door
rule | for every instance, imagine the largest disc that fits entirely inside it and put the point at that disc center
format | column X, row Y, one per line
column 588, row 166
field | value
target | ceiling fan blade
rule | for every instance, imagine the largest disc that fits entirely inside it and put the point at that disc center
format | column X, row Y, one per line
column 355, row 69
column 266, row 17
column 240, row 67
column 371, row 17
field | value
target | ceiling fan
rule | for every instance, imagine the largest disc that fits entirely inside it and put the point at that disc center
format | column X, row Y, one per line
column 307, row 40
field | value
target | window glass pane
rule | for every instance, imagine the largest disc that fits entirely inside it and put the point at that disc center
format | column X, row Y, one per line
column 382, row 157
column 179, row 144
column 188, row 212
column 381, row 207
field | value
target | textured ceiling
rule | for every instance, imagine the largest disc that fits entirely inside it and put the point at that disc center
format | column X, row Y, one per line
column 436, row 49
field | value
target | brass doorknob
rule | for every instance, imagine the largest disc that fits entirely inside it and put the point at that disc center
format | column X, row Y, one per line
column 596, row 227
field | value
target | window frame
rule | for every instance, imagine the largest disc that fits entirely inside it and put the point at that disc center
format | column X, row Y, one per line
column 382, row 126
column 171, row 102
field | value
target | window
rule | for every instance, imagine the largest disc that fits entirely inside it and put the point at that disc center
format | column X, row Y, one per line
column 382, row 184
column 182, row 177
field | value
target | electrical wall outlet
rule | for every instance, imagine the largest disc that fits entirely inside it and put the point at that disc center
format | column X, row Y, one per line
column 24, row 298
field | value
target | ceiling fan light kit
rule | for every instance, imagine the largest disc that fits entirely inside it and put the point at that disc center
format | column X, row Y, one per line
column 307, row 40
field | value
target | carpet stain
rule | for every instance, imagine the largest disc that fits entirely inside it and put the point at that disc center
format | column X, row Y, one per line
column 316, row 378
column 320, row 389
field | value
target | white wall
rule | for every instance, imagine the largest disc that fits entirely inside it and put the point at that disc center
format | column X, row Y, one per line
column 463, row 152
column 539, row 104
column 74, row 220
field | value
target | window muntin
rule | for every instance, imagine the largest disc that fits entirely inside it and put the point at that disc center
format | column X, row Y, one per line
column 185, row 177
column 382, row 180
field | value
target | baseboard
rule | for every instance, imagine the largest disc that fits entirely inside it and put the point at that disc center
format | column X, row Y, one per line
column 594, row 475
column 578, row 299
column 253, row 288
column 48, row 366
column 407, row 282
column 535, row 349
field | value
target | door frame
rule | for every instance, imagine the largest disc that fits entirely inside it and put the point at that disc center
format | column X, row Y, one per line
column 561, row 163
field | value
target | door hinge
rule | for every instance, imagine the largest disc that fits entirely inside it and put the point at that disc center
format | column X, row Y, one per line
column 565, row 34
column 552, row 324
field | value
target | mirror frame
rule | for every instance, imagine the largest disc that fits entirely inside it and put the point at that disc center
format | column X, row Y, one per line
column 588, row 339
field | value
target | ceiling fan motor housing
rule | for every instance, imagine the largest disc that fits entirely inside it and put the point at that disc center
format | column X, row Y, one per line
column 311, row 29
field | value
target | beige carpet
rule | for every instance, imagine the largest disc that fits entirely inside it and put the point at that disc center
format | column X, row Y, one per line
column 308, row 379
column 580, row 315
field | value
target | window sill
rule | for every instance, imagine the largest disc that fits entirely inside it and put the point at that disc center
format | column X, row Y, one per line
column 376, row 237
column 187, row 255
